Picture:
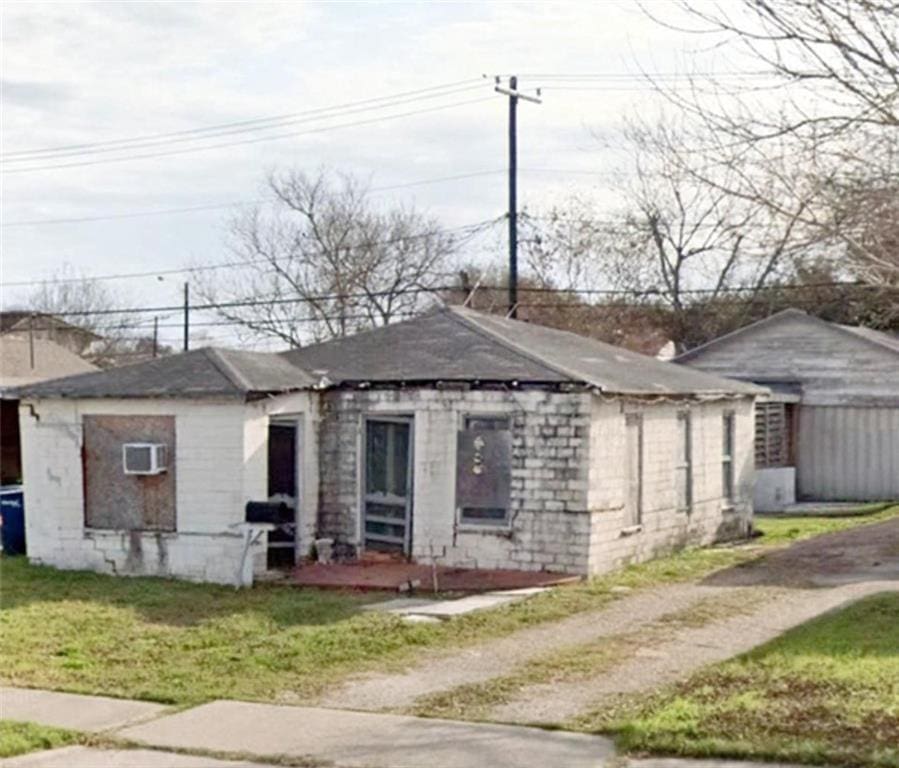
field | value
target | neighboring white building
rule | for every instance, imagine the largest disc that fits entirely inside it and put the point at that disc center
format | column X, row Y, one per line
column 829, row 431
column 461, row 437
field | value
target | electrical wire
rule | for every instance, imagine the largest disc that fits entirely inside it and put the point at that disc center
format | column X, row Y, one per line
column 274, row 137
column 632, row 293
column 246, row 263
column 256, row 201
column 240, row 123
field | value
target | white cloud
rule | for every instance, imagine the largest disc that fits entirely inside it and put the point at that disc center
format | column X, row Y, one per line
column 95, row 72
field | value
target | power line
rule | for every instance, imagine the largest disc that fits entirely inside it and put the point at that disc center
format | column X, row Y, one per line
column 253, row 121
column 233, row 131
column 273, row 137
column 246, row 263
column 233, row 203
column 634, row 293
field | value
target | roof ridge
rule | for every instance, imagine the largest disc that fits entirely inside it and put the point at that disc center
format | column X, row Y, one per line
column 690, row 353
column 846, row 330
column 459, row 314
column 226, row 368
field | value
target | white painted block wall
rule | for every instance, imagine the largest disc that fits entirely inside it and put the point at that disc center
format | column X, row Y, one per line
column 664, row 526
column 221, row 463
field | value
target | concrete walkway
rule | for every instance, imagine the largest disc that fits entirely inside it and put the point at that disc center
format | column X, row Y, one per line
column 73, row 711
column 334, row 738
column 357, row 740
column 90, row 757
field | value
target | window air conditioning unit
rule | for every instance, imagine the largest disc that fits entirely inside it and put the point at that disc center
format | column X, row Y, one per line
column 144, row 458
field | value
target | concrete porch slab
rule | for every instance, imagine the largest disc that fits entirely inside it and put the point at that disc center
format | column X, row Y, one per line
column 400, row 605
column 447, row 609
column 355, row 739
column 90, row 757
column 73, row 711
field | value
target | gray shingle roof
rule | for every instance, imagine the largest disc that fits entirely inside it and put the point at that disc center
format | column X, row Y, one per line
column 436, row 346
column 457, row 344
column 881, row 339
column 208, row 372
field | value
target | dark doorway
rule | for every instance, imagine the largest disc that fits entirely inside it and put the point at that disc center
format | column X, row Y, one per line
column 282, row 489
column 387, row 507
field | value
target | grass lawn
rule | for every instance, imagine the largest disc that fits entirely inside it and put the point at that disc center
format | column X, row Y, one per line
column 182, row 643
column 825, row 692
column 17, row 738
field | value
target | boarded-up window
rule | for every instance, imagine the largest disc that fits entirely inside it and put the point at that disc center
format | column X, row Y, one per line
column 113, row 499
column 727, row 455
column 773, row 435
column 484, row 471
column 684, row 464
column 634, row 469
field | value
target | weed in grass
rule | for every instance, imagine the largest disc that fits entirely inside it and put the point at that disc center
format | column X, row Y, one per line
column 17, row 738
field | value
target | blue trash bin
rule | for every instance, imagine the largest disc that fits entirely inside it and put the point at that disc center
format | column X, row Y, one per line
column 12, row 519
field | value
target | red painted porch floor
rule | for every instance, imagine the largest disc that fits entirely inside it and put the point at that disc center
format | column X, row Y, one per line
column 404, row 577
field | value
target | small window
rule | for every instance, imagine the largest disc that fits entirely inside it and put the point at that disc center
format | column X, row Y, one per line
column 483, row 471
column 634, row 469
column 684, row 466
column 727, row 456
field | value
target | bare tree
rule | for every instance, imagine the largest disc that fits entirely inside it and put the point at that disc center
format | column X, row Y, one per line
column 84, row 315
column 679, row 241
column 824, row 134
column 569, row 247
column 319, row 260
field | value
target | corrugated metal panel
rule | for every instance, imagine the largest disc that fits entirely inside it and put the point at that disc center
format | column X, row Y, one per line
column 848, row 454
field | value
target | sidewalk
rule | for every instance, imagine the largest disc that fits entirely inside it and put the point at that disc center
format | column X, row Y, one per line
column 261, row 731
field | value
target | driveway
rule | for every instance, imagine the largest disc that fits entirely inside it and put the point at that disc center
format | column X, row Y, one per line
column 857, row 555
column 666, row 632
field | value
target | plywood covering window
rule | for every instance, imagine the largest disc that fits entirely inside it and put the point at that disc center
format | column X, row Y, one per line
column 118, row 501
column 484, row 471
column 773, row 435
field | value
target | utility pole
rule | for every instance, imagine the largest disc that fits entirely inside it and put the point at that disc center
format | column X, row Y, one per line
column 514, row 95
column 155, row 335
column 186, row 318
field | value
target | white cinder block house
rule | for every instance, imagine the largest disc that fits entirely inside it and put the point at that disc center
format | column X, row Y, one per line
column 829, row 430
column 456, row 436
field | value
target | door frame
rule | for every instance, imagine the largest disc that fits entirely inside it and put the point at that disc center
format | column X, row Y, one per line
column 394, row 418
column 298, row 421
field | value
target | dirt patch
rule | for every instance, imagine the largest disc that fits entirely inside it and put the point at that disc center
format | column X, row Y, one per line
column 866, row 553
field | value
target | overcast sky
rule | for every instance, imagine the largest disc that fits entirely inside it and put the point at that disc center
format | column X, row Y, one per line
column 84, row 73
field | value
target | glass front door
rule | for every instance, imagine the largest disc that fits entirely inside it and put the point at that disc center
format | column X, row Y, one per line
column 387, row 515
